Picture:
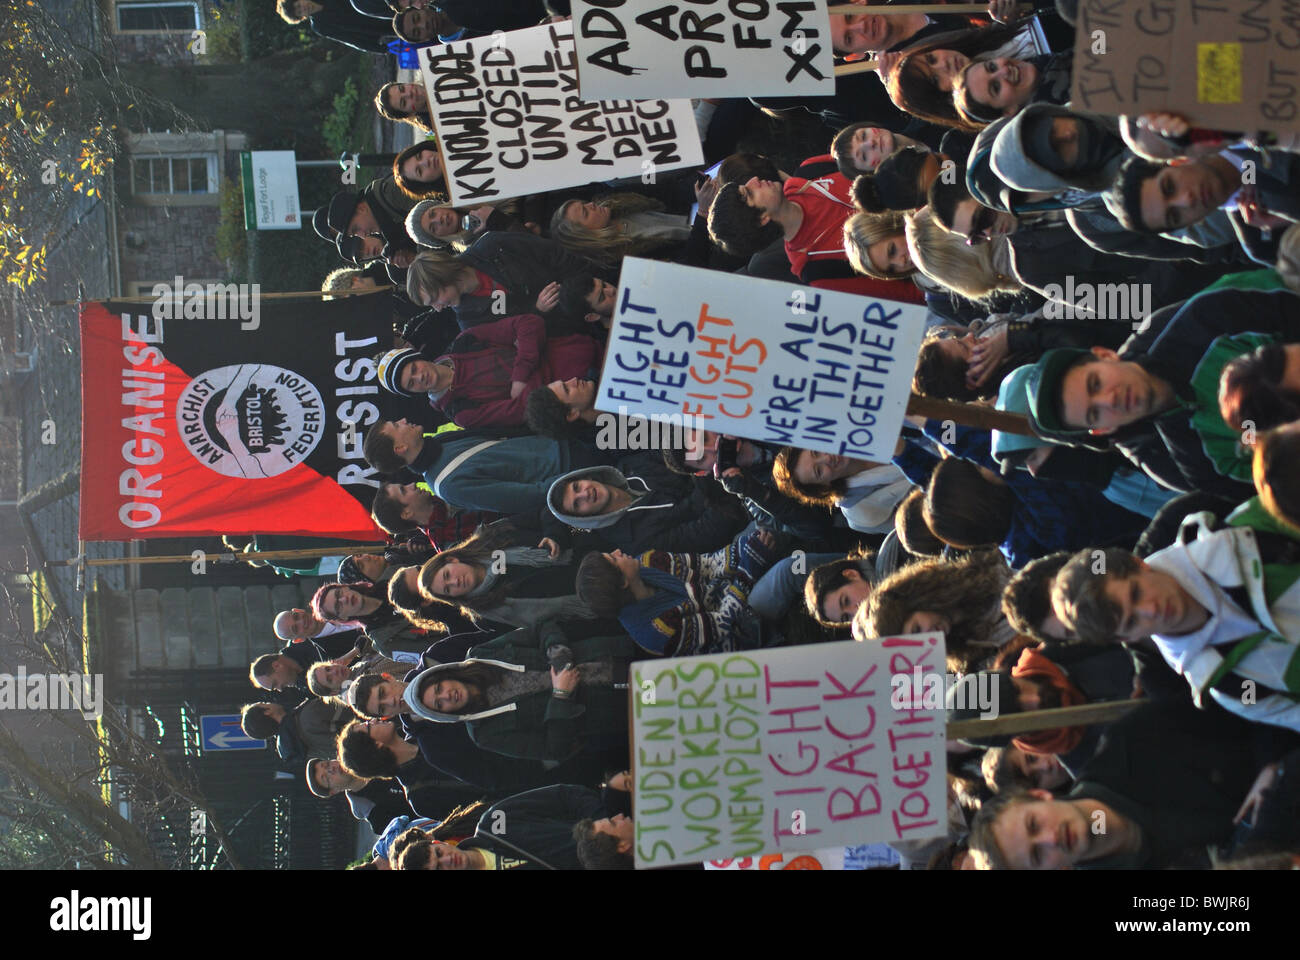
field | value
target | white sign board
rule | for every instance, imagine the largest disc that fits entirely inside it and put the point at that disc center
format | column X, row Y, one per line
column 510, row 121
column 785, row 750
column 271, row 183
column 708, row 48
column 814, row 369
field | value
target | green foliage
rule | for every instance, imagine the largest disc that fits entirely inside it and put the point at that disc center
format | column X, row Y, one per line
column 265, row 33
column 231, row 240
column 338, row 126
column 222, row 35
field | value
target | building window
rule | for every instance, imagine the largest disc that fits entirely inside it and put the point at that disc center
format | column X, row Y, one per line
column 183, row 174
column 154, row 17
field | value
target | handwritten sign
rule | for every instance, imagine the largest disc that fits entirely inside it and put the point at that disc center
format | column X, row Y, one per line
column 711, row 48
column 816, row 369
column 866, row 856
column 1223, row 64
column 785, row 750
column 510, row 121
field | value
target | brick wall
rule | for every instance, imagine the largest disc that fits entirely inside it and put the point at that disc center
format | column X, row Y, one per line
column 177, row 241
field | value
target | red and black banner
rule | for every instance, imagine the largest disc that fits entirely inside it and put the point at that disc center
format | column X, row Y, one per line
column 194, row 426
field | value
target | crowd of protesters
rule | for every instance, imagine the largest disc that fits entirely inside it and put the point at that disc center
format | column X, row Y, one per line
column 1140, row 541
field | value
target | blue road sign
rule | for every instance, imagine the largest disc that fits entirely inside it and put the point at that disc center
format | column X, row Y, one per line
column 222, row 732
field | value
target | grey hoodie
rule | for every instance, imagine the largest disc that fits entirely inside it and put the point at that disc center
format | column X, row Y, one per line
column 609, row 475
column 1015, row 166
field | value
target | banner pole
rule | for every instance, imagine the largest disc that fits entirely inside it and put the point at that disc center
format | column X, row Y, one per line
column 304, row 553
column 1081, row 716
column 857, row 66
column 902, row 9
column 301, row 294
column 971, row 415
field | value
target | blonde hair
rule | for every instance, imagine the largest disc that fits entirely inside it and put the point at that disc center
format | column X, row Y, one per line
column 610, row 243
column 340, row 279
column 947, row 259
column 430, row 271
column 862, row 230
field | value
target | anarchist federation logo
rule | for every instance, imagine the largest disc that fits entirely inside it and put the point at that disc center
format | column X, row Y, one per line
column 250, row 420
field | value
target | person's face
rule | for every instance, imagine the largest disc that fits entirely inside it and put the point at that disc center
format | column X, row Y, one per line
column 331, row 778
column 416, row 503
column 602, row 298
column 455, row 579
column 302, row 622
column 383, row 732
column 362, row 222
column 979, row 223
column 370, row 565
column 620, row 827
column 941, row 67
column 343, row 603
column 1183, row 193
column 385, row 699
column 1043, row 770
column 444, row 297
column 446, row 696
column 889, row 255
column 403, row 432
column 1152, row 602
column 870, row 145
column 1036, row 693
column 1064, row 139
column 301, row 8
column 419, row 376
column 1043, row 834
column 1002, row 83
column 370, row 248
column 815, row 468
column 863, row 33
column 440, row 221
column 283, row 673
column 957, row 348
column 332, row 675
column 443, row 856
column 842, row 603
column 575, row 393
column 585, row 498
column 424, row 167
column 1108, row 393
column 590, row 216
column 702, row 451
column 421, row 26
column 765, row 196
column 627, row 566
column 923, row 621
column 407, row 98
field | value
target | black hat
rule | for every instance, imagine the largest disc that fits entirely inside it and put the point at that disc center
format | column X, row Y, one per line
column 342, row 205
column 1044, row 386
column 320, row 223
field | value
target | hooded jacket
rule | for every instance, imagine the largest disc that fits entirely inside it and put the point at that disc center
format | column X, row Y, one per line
column 309, row 729
column 668, row 511
column 539, row 831
column 1258, row 570
column 539, row 726
column 1189, row 447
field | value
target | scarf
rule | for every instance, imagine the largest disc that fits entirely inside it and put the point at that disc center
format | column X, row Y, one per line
column 517, row 557
column 1063, row 739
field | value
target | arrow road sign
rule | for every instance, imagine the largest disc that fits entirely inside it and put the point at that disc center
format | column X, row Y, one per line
column 222, row 732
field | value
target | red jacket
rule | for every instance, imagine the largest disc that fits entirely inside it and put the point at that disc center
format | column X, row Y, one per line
column 491, row 356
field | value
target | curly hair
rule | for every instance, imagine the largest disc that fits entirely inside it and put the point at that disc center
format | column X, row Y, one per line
column 966, row 592
column 737, row 227
column 608, row 244
column 599, row 851
column 361, row 756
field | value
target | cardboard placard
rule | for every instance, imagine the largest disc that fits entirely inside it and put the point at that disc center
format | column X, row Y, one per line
column 770, row 361
column 785, row 750
column 1223, row 64
column 710, row 48
column 510, row 120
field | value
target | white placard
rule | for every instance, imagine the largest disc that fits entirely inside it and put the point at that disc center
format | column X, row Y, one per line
column 761, row 359
column 707, row 48
column 510, row 120
column 786, row 750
